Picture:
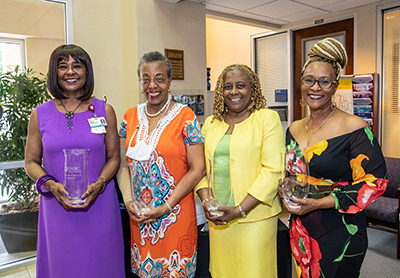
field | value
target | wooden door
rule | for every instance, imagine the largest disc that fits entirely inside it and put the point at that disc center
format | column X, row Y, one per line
column 343, row 28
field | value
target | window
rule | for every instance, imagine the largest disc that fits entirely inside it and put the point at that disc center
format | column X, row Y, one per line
column 29, row 31
column 271, row 66
column 12, row 54
column 390, row 82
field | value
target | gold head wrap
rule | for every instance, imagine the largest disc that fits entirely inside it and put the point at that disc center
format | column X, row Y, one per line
column 257, row 101
column 330, row 51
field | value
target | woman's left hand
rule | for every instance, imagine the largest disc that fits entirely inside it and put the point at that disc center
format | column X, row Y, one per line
column 155, row 213
column 309, row 204
column 91, row 193
column 229, row 214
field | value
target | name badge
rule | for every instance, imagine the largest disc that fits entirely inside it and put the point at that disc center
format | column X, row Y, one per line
column 98, row 125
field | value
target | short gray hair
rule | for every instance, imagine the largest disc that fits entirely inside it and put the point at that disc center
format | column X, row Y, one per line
column 152, row 57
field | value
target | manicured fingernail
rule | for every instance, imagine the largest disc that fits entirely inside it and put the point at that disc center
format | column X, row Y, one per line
column 66, row 194
column 83, row 198
column 291, row 199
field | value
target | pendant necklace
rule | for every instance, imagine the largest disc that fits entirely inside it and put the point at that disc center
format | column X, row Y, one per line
column 159, row 112
column 312, row 132
column 69, row 115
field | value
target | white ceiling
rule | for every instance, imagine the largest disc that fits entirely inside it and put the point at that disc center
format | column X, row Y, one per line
column 277, row 12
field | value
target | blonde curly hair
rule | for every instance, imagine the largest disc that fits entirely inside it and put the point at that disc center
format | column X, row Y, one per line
column 330, row 51
column 257, row 102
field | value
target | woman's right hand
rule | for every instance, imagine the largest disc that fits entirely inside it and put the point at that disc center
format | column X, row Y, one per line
column 59, row 193
column 134, row 214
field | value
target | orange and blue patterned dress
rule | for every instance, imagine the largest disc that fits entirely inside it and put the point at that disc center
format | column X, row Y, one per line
column 166, row 247
column 332, row 242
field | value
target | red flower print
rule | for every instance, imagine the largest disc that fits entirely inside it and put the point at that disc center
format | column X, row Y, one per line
column 294, row 164
column 366, row 195
column 305, row 250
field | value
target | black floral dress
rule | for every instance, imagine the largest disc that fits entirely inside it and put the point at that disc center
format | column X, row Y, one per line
column 332, row 242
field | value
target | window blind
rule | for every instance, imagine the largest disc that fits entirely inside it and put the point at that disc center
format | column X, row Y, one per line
column 271, row 65
column 390, row 83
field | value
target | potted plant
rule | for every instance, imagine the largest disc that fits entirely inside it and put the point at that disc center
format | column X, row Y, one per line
column 20, row 92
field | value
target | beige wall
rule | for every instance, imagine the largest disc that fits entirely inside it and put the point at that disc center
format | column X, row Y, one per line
column 228, row 43
column 40, row 24
column 365, row 35
column 176, row 26
column 107, row 31
column 116, row 34
column 38, row 52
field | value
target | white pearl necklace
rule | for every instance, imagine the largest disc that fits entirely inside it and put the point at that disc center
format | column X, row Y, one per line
column 159, row 112
column 312, row 132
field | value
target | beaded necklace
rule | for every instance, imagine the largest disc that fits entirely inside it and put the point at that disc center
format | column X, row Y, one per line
column 159, row 112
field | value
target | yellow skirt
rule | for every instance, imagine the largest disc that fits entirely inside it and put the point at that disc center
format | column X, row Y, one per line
column 244, row 250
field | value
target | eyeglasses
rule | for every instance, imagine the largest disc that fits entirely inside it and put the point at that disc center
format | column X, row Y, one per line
column 159, row 80
column 323, row 83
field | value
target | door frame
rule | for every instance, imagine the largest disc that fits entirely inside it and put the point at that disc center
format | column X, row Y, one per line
column 297, row 36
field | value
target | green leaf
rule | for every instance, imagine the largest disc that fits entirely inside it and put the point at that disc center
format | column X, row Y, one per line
column 352, row 229
column 340, row 258
column 292, row 145
column 370, row 135
column 20, row 92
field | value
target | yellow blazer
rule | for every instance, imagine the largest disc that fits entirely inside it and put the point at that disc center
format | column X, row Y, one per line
column 256, row 148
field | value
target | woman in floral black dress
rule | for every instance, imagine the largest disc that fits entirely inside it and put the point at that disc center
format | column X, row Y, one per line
column 328, row 232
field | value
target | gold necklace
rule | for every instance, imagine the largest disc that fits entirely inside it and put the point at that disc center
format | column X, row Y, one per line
column 312, row 132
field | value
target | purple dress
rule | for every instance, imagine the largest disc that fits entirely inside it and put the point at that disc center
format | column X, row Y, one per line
column 77, row 243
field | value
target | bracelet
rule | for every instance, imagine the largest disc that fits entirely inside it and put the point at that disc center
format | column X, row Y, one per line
column 104, row 183
column 204, row 201
column 40, row 181
column 168, row 206
column 244, row 214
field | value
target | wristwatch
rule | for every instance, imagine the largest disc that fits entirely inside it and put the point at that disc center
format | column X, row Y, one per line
column 244, row 214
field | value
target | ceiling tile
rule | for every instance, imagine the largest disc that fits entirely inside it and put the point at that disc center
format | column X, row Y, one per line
column 279, row 22
column 280, row 9
column 303, row 15
column 320, row 3
column 221, row 9
column 347, row 4
column 240, row 4
column 255, row 16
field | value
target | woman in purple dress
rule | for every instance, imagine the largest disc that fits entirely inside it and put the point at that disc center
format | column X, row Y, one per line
column 75, row 240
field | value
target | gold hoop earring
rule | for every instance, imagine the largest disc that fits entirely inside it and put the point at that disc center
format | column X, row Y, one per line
column 169, row 90
column 333, row 104
column 251, row 105
column 303, row 102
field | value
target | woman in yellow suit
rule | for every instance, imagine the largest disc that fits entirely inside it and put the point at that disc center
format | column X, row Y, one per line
column 243, row 238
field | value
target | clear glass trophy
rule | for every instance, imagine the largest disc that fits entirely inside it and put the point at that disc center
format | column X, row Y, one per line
column 76, row 174
column 220, row 192
column 296, row 178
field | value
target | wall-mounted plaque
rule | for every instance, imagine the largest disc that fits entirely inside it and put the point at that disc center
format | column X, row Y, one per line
column 176, row 59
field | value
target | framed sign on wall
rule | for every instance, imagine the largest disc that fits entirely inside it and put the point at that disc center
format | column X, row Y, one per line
column 176, row 59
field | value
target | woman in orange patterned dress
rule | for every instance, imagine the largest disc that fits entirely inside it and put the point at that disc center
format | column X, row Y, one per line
column 163, row 146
